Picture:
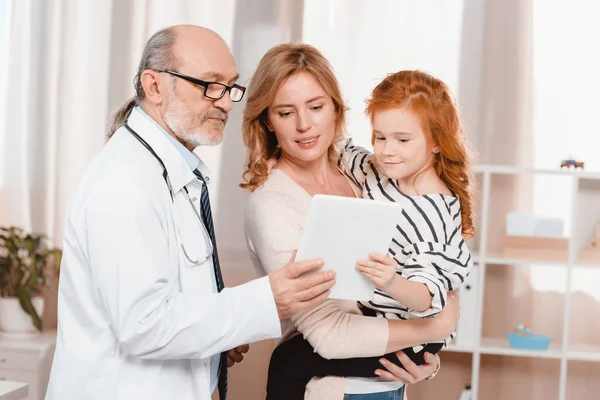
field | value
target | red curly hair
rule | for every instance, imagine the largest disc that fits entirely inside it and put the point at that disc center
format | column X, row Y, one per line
column 431, row 101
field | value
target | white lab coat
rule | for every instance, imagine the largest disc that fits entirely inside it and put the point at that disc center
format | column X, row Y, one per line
column 136, row 320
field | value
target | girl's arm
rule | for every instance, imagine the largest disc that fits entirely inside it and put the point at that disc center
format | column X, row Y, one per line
column 441, row 261
column 441, row 268
column 414, row 332
column 432, row 268
column 355, row 161
column 382, row 271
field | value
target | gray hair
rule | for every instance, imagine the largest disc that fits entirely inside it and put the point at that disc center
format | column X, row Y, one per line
column 158, row 55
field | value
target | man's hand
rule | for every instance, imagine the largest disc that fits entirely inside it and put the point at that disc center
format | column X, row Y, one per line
column 237, row 355
column 293, row 292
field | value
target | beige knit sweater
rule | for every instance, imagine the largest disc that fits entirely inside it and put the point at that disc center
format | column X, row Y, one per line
column 275, row 216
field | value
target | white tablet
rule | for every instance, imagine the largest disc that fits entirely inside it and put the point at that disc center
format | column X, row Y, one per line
column 342, row 230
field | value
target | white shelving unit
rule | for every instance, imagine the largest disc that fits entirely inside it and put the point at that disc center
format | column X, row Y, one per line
column 585, row 215
column 28, row 361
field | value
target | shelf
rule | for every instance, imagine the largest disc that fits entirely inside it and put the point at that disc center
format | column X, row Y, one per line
column 586, row 265
column 499, row 259
column 507, row 169
column 583, row 352
column 500, row 346
column 495, row 258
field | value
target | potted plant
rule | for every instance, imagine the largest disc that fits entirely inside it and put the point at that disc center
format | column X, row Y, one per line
column 27, row 263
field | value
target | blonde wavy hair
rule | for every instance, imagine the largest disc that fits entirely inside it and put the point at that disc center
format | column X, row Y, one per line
column 277, row 65
column 432, row 102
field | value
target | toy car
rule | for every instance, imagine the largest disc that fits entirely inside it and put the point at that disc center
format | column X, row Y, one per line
column 572, row 163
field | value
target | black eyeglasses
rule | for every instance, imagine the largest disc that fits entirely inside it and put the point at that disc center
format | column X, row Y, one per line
column 213, row 90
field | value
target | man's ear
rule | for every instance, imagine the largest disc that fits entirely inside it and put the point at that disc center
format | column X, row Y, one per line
column 153, row 86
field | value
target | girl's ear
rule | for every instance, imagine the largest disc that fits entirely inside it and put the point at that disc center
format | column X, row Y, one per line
column 435, row 149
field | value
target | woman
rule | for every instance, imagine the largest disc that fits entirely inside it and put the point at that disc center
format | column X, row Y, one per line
column 296, row 115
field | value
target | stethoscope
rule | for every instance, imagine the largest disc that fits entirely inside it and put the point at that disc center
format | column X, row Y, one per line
column 165, row 175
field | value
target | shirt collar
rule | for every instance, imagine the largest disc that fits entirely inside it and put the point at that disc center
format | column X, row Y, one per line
column 179, row 165
column 190, row 158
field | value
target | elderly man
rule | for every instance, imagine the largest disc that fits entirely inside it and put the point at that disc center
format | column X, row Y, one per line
column 142, row 309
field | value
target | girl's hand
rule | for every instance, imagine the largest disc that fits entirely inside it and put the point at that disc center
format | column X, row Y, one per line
column 381, row 270
column 413, row 373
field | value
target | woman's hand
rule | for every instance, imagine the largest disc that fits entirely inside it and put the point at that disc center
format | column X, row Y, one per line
column 381, row 270
column 413, row 373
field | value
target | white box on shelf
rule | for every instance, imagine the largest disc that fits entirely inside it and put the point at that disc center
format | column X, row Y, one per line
column 467, row 330
column 525, row 224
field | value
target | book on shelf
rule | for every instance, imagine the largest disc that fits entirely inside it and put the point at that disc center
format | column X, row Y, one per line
column 538, row 248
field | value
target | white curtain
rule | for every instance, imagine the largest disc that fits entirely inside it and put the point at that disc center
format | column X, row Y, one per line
column 365, row 41
column 71, row 63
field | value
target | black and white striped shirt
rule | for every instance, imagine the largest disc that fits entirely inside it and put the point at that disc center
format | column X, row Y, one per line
column 428, row 246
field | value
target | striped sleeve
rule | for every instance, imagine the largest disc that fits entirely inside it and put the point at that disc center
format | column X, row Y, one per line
column 442, row 268
column 355, row 162
column 442, row 264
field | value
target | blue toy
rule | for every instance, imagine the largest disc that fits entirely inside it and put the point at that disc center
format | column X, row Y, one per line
column 522, row 338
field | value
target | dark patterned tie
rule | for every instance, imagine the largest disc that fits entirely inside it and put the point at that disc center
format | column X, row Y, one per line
column 208, row 222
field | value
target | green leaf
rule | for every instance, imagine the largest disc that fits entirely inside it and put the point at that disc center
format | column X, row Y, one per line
column 23, row 266
column 27, row 305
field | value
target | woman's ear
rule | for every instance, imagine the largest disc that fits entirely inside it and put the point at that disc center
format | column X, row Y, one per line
column 435, row 149
column 268, row 125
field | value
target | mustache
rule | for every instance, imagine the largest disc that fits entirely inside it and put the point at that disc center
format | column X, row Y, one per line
column 215, row 114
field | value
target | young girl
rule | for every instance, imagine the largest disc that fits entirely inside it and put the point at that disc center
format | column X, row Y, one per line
column 420, row 161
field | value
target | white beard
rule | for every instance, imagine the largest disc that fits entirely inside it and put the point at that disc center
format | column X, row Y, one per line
column 186, row 128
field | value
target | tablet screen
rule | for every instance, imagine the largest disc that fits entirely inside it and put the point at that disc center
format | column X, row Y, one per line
column 342, row 230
